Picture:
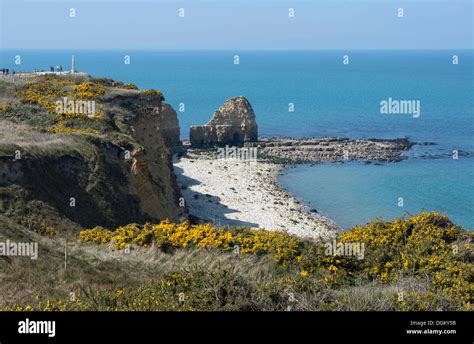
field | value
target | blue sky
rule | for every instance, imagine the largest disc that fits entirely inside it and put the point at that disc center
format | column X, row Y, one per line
column 237, row 24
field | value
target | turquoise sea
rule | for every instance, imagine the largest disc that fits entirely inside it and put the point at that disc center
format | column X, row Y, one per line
column 330, row 99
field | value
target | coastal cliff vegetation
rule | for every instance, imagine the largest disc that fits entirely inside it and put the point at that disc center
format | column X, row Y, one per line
column 37, row 99
column 421, row 262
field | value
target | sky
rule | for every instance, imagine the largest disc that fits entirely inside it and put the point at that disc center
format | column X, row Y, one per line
column 236, row 24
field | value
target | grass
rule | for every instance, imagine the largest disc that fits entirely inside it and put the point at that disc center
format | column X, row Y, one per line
column 213, row 278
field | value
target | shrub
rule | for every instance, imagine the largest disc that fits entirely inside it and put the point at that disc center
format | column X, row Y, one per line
column 88, row 90
column 428, row 244
column 283, row 247
column 66, row 130
column 426, row 248
column 128, row 86
column 153, row 95
column 5, row 107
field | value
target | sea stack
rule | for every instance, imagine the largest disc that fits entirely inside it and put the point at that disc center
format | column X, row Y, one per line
column 232, row 124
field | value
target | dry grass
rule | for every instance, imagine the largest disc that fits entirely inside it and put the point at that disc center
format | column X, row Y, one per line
column 100, row 268
column 27, row 139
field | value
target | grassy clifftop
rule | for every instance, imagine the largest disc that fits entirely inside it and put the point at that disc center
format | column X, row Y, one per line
column 79, row 151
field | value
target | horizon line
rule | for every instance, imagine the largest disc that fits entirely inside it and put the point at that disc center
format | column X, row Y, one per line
column 243, row 49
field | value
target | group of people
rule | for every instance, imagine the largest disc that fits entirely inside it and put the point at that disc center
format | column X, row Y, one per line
column 6, row 71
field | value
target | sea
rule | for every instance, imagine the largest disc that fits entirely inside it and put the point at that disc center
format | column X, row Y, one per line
column 323, row 93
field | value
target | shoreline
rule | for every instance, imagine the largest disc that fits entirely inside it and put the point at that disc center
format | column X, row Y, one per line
column 230, row 192
column 246, row 192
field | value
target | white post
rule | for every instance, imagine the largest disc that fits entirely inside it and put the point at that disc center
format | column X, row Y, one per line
column 73, row 64
column 65, row 255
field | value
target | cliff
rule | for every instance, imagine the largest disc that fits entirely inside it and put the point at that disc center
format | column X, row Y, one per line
column 71, row 170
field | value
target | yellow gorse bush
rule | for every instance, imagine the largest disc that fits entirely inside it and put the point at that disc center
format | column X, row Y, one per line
column 283, row 247
column 153, row 94
column 128, row 86
column 47, row 91
column 428, row 244
column 88, row 90
column 97, row 235
column 5, row 107
column 427, row 250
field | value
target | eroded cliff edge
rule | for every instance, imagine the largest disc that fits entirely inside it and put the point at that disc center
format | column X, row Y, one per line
column 75, row 170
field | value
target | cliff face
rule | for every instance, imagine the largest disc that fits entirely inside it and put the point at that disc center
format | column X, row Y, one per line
column 152, row 173
column 87, row 188
column 134, row 107
column 169, row 126
column 233, row 123
column 118, row 172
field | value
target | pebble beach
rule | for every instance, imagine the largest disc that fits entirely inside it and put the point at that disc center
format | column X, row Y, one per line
column 232, row 192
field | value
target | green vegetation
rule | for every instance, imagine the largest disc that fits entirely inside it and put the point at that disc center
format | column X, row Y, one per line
column 35, row 103
column 114, row 83
column 421, row 262
column 153, row 94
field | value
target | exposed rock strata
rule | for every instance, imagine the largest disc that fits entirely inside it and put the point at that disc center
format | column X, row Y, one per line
column 152, row 173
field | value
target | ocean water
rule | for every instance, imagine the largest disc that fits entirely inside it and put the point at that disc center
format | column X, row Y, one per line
column 330, row 99
column 354, row 193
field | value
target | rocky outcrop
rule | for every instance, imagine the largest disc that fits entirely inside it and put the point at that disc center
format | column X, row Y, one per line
column 168, row 125
column 232, row 124
column 331, row 149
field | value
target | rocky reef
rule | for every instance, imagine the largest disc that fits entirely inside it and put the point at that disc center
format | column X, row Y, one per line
column 331, row 149
column 232, row 124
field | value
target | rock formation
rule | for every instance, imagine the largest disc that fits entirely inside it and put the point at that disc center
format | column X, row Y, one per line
column 232, row 124
column 168, row 125
column 152, row 175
